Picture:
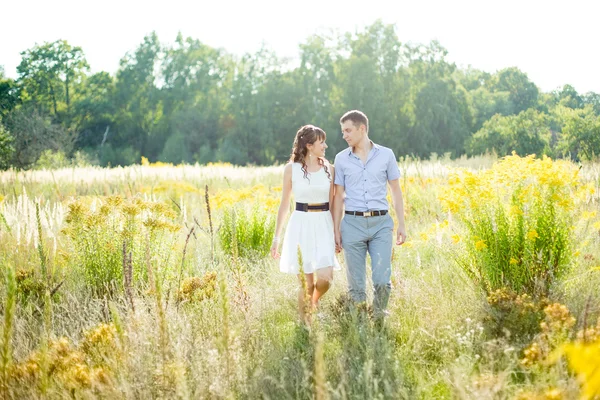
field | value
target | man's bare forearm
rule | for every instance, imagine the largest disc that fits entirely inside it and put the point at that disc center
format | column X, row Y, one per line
column 338, row 208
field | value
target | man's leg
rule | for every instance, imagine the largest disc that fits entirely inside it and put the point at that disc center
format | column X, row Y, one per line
column 354, row 244
column 380, row 250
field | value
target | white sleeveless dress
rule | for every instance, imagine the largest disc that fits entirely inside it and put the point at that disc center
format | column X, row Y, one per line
column 313, row 231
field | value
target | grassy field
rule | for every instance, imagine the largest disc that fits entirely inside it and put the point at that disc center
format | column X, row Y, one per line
column 154, row 281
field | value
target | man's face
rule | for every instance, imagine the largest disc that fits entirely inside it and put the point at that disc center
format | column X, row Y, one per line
column 353, row 134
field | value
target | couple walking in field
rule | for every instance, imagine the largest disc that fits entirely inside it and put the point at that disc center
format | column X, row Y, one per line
column 354, row 188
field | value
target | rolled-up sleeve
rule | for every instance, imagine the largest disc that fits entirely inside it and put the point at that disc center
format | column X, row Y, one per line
column 393, row 172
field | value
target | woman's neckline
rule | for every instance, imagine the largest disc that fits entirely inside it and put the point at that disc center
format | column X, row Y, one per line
column 319, row 170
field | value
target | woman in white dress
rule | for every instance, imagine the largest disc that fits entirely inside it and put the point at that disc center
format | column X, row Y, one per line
column 309, row 177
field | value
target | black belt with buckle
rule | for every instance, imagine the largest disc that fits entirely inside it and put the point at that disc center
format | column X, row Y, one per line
column 312, row 207
column 374, row 213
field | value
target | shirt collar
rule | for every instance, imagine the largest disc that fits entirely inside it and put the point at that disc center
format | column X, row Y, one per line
column 375, row 147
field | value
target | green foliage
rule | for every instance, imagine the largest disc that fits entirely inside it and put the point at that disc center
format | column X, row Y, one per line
column 6, row 148
column 112, row 156
column 49, row 73
column 523, row 94
column 9, row 95
column 526, row 133
column 102, row 236
column 176, row 150
column 580, row 132
column 57, row 159
column 518, row 217
column 509, row 314
column 246, row 232
column 189, row 102
column 33, row 133
column 235, row 334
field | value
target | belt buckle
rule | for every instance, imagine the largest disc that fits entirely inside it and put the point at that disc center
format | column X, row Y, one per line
column 367, row 214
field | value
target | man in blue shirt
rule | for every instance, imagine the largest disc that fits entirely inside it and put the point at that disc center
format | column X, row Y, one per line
column 361, row 174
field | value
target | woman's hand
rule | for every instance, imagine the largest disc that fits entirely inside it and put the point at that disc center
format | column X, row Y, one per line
column 275, row 248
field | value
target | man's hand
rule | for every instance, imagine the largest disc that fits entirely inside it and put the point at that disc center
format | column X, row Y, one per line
column 401, row 235
column 338, row 241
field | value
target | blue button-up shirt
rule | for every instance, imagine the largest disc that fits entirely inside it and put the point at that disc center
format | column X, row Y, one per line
column 365, row 185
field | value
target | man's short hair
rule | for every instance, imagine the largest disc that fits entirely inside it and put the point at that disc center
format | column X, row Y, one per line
column 357, row 118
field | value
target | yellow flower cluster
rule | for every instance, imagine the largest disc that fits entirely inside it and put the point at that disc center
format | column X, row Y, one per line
column 548, row 394
column 583, row 360
column 219, row 164
column 158, row 215
column 146, row 163
column 589, row 334
column 198, row 289
column 532, row 355
column 99, row 343
column 174, row 188
column 555, row 331
column 267, row 198
column 532, row 234
column 67, row 366
column 28, row 284
column 506, row 299
column 558, row 318
column 526, row 177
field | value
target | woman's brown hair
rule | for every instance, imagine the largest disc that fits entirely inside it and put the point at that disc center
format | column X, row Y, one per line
column 308, row 134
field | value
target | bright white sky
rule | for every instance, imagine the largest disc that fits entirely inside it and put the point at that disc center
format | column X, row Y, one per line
column 554, row 41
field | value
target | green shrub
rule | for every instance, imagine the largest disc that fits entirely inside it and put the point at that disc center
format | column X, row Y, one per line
column 518, row 217
column 246, row 232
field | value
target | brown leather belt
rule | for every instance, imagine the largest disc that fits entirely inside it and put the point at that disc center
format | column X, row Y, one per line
column 312, row 207
column 374, row 213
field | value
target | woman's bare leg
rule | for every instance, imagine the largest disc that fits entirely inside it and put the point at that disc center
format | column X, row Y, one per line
column 324, row 278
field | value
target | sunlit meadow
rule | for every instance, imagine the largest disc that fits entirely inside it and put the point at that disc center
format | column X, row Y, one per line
column 154, row 281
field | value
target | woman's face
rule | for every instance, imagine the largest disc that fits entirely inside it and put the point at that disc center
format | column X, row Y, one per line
column 317, row 148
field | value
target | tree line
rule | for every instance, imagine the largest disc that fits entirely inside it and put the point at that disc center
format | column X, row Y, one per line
column 189, row 102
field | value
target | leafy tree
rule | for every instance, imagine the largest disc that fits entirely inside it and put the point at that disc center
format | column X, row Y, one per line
column 94, row 112
column 246, row 138
column 441, row 120
column 138, row 100
column 195, row 95
column 9, row 95
column 49, row 72
column 568, row 97
column 33, row 133
column 593, row 99
column 526, row 133
column 580, row 132
column 6, row 148
column 522, row 93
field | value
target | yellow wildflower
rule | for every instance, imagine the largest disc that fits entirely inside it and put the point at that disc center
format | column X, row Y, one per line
column 480, row 245
column 583, row 359
column 532, row 234
column 553, row 394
